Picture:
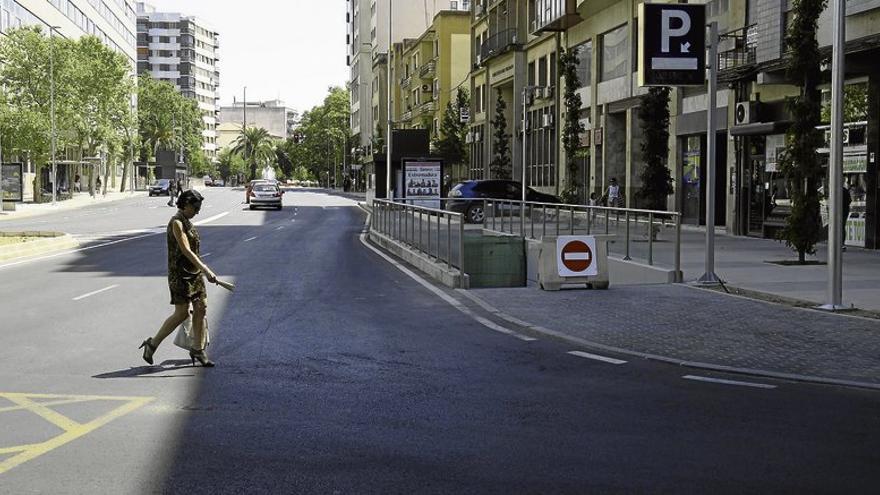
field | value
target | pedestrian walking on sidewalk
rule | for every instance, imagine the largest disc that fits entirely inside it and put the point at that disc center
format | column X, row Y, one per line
column 613, row 196
column 172, row 192
column 186, row 280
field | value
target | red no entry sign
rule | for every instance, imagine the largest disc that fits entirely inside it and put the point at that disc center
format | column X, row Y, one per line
column 576, row 256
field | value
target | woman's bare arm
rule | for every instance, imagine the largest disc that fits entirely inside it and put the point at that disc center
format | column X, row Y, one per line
column 183, row 242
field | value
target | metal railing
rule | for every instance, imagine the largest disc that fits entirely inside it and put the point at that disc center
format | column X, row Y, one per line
column 435, row 233
column 498, row 43
column 639, row 231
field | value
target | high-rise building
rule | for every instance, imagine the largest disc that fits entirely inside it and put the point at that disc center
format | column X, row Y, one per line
column 112, row 21
column 367, row 39
column 183, row 51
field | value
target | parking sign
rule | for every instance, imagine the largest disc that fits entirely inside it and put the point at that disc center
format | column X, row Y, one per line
column 672, row 44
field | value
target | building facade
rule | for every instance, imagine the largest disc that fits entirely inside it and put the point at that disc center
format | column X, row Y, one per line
column 272, row 115
column 112, row 21
column 183, row 51
column 369, row 22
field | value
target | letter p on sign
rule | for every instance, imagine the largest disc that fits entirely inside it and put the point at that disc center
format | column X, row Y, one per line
column 667, row 31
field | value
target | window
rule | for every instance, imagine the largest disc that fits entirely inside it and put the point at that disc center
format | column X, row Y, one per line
column 584, row 53
column 531, row 73
column 613, row 45
column 542, row 71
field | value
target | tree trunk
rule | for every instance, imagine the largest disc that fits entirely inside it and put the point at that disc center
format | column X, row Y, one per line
column 124, row 176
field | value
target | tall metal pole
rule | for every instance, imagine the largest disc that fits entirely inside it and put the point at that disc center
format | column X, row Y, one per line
column 388, row 84
column 522, row 218
column 52, row 110
column 709, row 277
column 835, row 165
column 244, row 123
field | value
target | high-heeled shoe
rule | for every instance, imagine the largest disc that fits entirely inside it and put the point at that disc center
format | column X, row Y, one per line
column 201, row 357
column 149, row 350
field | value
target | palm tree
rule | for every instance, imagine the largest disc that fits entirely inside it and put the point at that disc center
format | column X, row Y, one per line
column 254, row 144
column 159, row 133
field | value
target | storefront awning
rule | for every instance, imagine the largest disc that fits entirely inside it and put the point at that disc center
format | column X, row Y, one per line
column 760, row 128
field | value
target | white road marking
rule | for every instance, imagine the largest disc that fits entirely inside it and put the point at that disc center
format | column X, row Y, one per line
column 90, row 294
column 72, row 251
column 205, row 255
column 249, row 239
column 596, row 357
column 728, row 382
column 439, row 293
column 211, row 219
column 280, row 228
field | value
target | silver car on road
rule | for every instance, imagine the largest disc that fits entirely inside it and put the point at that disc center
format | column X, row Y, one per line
column 265, row 194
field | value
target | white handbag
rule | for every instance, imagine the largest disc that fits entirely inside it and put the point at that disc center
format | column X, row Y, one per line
column 184, row 338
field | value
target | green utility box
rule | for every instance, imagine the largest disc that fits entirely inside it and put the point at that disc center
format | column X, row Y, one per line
column 492, row 260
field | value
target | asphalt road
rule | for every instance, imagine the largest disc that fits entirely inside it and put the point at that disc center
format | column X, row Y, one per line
column 338, row 373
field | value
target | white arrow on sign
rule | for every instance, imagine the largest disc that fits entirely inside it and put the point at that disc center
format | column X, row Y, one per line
column 686, row 47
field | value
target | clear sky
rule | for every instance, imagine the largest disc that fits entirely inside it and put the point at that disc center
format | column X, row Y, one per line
column 287, row 49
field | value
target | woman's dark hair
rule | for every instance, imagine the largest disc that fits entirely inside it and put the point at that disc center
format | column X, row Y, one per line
column 189, row 197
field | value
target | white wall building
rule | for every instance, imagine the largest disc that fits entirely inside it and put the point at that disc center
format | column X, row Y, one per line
column 183, row 51
column 272, row 115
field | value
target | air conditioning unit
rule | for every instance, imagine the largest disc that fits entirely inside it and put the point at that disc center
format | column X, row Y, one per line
column 426, row 88
column 539, row 93
column 548, row 92
column 479, row 59
column 469, row 138
column 746, row 113
column 480, row 10
column 477, row 137
column 547, row 120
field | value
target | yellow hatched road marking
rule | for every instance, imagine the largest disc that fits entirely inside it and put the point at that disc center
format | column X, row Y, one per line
column 72, row 429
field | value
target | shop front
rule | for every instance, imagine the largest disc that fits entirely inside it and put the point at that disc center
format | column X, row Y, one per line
column 692, row 173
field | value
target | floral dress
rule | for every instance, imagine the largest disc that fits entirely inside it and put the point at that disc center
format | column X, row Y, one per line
column 185, row 281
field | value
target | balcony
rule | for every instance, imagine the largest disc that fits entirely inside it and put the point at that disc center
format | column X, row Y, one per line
column 736, row 56
column 554, row 16
column 497, row 44
column 428, row 70
column 407, row 116
column 405, row 82
column 429, row 107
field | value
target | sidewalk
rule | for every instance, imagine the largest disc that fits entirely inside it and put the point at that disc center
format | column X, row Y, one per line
column 695, row 327
column 80, row 200
column 744, row 262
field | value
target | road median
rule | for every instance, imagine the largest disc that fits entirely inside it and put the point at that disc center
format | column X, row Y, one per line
column 25, row 244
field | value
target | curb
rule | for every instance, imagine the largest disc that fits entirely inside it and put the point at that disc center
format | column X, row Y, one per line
column 818, row 380
column 51, row 242
column 23, row 214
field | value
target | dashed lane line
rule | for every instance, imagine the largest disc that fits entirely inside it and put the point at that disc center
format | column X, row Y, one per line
column 94, row 293
column 728, row 382
column 249, row 239
column 596, row 357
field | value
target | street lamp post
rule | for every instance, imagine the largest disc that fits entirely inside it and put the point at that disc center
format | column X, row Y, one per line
column 54, row 177
column 388, row 84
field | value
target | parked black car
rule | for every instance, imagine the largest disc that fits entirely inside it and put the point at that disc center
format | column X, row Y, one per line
column 162, row 187
column 472, row 190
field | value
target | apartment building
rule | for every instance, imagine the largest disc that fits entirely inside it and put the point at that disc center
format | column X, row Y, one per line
column 431, row 70
column 273, row 115
column 369, row 22
column 112, row 21
column 183, row 51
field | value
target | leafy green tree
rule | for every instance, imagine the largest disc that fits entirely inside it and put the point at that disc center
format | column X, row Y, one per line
column 255, row 146
column 325, row 130
column 169, row 121
column 26, row 56
column 501, row 165
column 799, row 161
column 654, row 120
column 230, row 164
column 451, row 143
column 572, row 127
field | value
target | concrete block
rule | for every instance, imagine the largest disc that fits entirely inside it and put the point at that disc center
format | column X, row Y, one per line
column 548, row 272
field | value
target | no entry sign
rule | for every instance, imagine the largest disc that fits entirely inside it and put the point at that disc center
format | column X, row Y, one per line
column 672, row 44
column 576, row 256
